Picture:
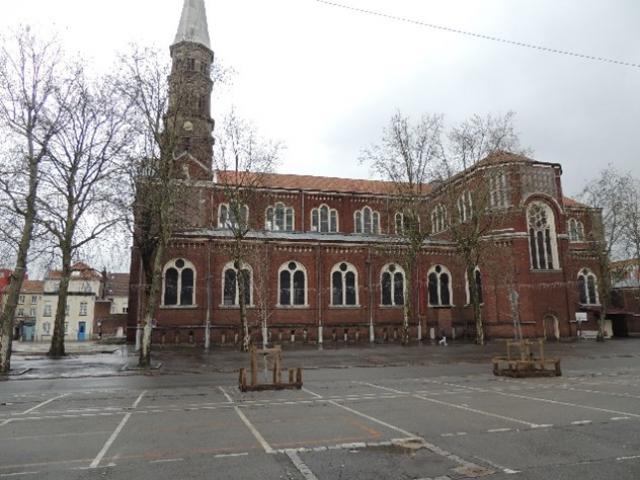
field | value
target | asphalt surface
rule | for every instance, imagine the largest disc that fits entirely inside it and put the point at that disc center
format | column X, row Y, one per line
column 381, row 413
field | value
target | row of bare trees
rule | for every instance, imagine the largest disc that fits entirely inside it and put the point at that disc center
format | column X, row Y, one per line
column 423, row 158
column 86, row 156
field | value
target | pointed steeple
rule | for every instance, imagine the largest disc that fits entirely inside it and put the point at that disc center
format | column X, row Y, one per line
column 193, row 24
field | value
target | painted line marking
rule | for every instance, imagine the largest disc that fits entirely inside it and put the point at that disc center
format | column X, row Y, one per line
column 498, row 430
column 6, row 475
column 538, row 399
column 300, row 465
column 615, row 419
column 8, row 420
column 634, row 457
column 138, row 400
column 581, row 422
column 392, row 390
column 263, row 443
column 507, row 470
column 32, row 409
column 227, row 396
column 313, row 394
column 429, row 446
column 112, row 438
column 168, row 460
column 475, row 410
column 231, row 455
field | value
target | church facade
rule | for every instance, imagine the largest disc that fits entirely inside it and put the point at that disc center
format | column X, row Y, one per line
column 322, row 267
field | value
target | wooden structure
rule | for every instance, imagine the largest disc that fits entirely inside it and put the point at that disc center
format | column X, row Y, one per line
column 273, row 356
column 521, row 361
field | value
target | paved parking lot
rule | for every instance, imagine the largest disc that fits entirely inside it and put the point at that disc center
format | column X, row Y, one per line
column 411, row 422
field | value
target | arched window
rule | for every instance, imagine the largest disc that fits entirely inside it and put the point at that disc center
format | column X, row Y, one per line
column 439, row 280
column 576, row 230
column 399, row 220
column 344, row 285
column 278, row 217
column 231, row 287
column 478, row 278
column 543, row 245
column 465, row 206
column 498, row 190
column 366, row 221
column 178, row 283
column 439, row 220
column 588, row 287
column 392, row 285
column 228, row 216
column 324, row 219
column 292, row 285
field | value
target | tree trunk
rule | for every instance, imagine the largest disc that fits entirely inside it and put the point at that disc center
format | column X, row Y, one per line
column 244, row 324
column 57, row 340
column 152, row 300
column 474, row 297
column 407, row 308
column 15, row 286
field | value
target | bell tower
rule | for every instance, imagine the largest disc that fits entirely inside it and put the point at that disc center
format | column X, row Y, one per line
column 190, row 84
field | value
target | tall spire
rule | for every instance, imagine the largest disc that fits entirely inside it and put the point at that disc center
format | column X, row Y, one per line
column 193, row 24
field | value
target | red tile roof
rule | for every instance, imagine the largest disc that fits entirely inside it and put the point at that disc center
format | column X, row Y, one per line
column 570, row 202
column 318, row 183
column 86, row 272
column 32, row 286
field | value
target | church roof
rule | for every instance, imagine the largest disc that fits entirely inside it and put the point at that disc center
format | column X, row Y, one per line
column 193, row 24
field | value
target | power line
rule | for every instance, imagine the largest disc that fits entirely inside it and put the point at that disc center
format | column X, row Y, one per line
column 480, row 35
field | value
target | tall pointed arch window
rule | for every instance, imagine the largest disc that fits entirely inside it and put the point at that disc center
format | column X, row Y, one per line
column 279, row 217
column 465, row 206
column 478, row 279
column 344, row 285
column 324, row 219
column 230, row 217
column 439, row 283
column 439, row 219
column 498, row 190
column 576, row 230
column 292, row 285
column 543, row 244
column 178, row 282
column 392, row 285
column 366, row 221
column 231, row 279
column 588, row 287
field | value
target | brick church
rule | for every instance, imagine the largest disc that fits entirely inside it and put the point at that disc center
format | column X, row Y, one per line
column 322, row 273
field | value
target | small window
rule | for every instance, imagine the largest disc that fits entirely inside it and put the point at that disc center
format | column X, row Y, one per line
column 46, row 328
column 478, row 278
column 576, row 230
column 233, row 216
column 279, row 218
column 191, row 64
column 498, row 190
column 439, row 219
column 21, row 300
column 21, row 312
column 47, row 310
column 34, row 299
column 324, row 219
column 588, row 287
column 465, row 206
column 367, row 221
column 83, row 309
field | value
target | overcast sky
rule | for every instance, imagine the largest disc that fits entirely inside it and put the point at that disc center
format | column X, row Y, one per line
column 325, row 81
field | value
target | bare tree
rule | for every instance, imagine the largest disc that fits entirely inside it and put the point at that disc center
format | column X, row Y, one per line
column 606, row 196
column 470, row 193
column 405, row 156
column 82, row 164
column 34, row 85
column 242, row 159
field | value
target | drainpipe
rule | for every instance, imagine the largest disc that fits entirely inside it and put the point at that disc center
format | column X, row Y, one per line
column 319, row 294
column 207, row 323
column 138, row 329
column 372, row 336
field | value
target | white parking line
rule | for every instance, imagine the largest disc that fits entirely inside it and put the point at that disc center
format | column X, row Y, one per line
column 19, row 474
column 300, row 465
column 5, row 422
column 634, row 457
column 32, row 409
column 263, row 443
column 114, row 435
column 475, row 410
column 392, row 390
column 168, row 460
column 311, row 393
column 429, row 446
